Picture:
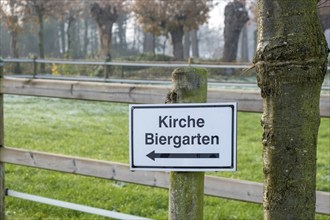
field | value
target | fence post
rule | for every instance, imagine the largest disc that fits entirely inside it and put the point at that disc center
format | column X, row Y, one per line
column 107, row 68
column 186, row 191
column 2, row 165
column 35, row 66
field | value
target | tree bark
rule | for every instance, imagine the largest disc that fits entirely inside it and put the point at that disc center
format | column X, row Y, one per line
column 177, row 37
column 291, row 63
column 235, row 18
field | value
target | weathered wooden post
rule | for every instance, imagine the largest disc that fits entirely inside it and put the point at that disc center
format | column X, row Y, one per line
column 107, row 68
column 2, row 165
column 35, row 66
column 186, row 191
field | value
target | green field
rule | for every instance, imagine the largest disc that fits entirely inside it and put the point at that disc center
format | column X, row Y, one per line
column 99, row 130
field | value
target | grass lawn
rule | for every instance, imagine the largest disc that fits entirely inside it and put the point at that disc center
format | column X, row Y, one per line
column 99, row 130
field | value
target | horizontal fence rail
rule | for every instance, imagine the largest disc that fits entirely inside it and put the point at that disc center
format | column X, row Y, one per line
column 249, row 101
column 240, row 190
column 136, row 64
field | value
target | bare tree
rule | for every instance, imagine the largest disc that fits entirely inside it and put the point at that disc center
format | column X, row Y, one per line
column 324, row 13
column 121, row 30
column 148, row 43
column 73, row 13
column 106, row 13
column 194, row 43
column 171, row 17
column 12, row 16
column 40, row 9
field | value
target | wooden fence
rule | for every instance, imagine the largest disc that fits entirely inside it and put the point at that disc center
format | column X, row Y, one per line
column 232, row 189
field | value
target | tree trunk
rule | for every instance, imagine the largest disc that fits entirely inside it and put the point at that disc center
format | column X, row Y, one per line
column 291, row 63
column 186, row 45
column 177, row 37
column 77, row 48
column 41, row 38
column 86, row 38
column 94, row 39
column 194, row 43
column 70, row 36
column 121, row 21
column 324, row 14
column 244, row 45
column 14, row 50
column 235, row 18
column 73, row 38
column 105, row 38
column 148, row 43
column 62, row 37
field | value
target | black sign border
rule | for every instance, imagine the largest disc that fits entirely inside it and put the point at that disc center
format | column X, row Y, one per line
column 186, row 168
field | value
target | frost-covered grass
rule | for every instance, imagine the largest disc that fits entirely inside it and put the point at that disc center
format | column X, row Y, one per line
column 99, row 130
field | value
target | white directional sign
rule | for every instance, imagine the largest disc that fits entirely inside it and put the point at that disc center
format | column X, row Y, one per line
column 183, row 137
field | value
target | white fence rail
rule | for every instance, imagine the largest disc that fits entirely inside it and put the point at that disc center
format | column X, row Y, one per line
column 73, row 206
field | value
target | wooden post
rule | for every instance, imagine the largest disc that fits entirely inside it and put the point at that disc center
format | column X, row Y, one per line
column 107, row 68
column 35, row 66
column 2, row 165
column 186, row 191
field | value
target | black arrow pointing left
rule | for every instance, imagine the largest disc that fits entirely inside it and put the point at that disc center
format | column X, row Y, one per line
column 152, row 155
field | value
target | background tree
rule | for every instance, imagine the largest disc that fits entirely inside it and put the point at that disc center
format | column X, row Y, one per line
column 39, row 9
column 11, row 16
column 149, row 43
column 86, row 21
column 186, row 45
column 324, row 13
column 70, row 14
column 120, row 32
column 236, row 16
column 190, row 42
column 171, row 17
column 72, row 32
column 194, row 43
column 291, row 62
column 106, row 13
